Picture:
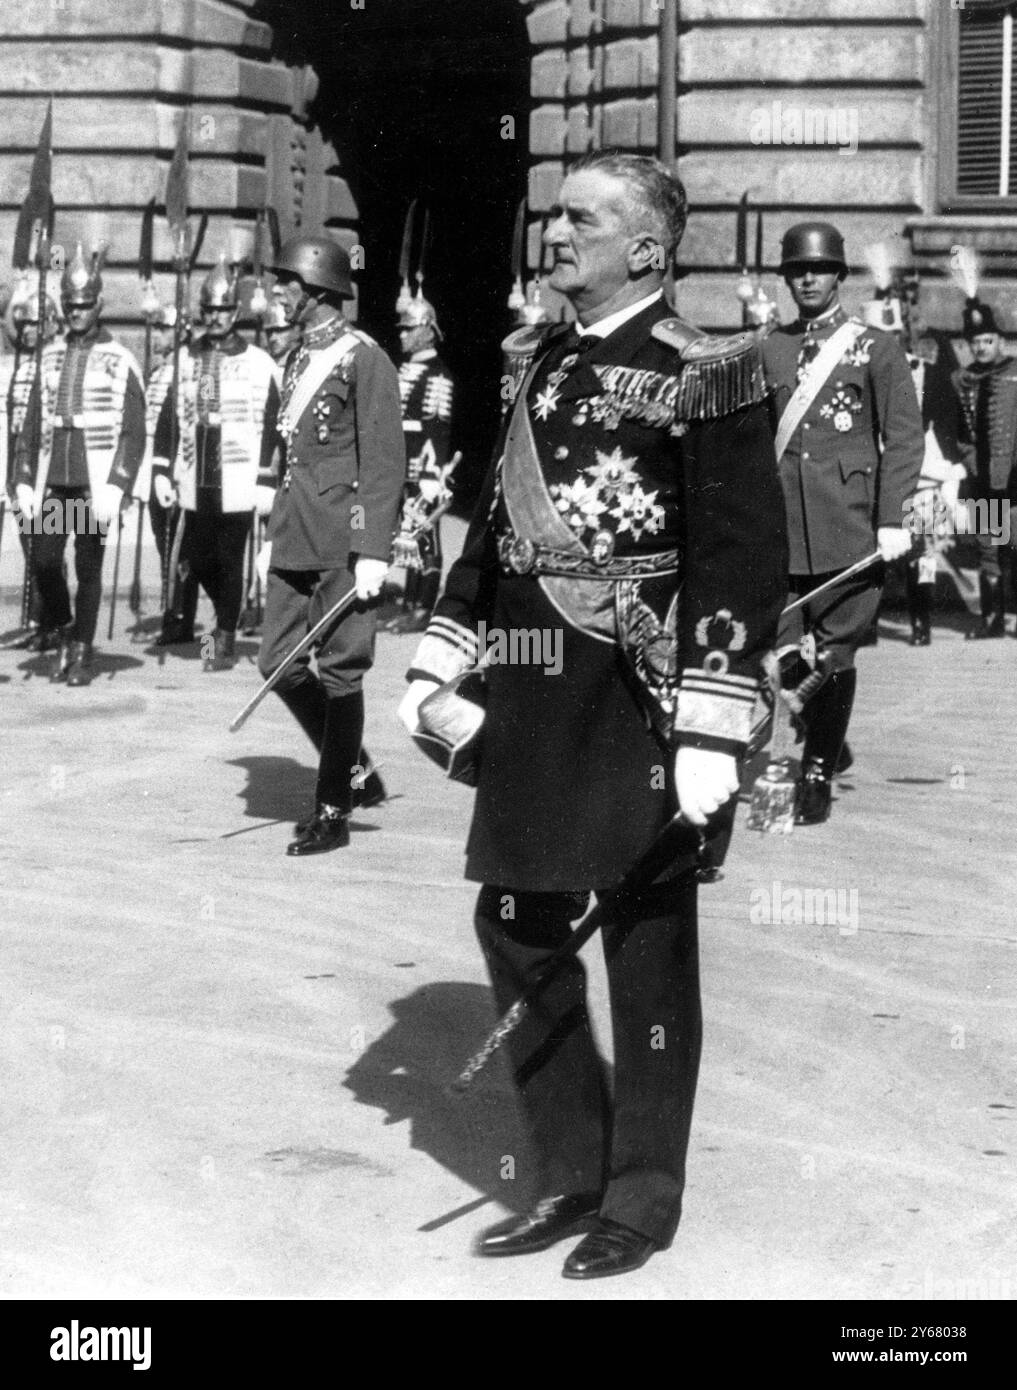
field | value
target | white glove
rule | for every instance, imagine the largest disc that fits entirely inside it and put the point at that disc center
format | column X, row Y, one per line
column 369, row 576
column 106, row 503
column 163, row 489
column 264, row 497
column 704, row 779
column 893, row 542
column 264, row 562
column 409, row 706
column 26, row 500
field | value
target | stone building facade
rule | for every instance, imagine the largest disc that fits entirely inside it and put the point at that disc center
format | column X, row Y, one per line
column 881, row 73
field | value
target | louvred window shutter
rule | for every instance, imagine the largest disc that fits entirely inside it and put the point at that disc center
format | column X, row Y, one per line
column 987, row 101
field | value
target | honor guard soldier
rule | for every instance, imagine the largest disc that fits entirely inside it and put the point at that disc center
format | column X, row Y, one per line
column 849, row 443
column 21, row 325
column 77, row 459
column 987, row 392
column 281, row 336
column 223, row 449
column 332, row 527
column 425, row 390
column 635, row 519
column 178, row 619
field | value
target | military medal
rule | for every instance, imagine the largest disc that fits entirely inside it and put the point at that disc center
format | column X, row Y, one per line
column 547, row 402
column 322, row 410
column 842, row 421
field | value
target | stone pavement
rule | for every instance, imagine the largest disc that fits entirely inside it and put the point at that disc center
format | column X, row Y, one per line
column 224, row 1070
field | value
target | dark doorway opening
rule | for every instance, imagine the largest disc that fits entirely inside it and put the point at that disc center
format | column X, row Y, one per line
column 418, row 97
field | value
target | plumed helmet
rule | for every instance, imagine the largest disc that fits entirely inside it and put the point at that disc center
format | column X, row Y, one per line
column 81, row 282
column 23, row 306
column 978, row 318
column 417, row 313
column 812, row 241
column 317, row 260
column 219, row 287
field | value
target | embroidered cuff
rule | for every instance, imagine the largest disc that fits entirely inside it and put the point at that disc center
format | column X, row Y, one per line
column 446, row 649
column 715, row 706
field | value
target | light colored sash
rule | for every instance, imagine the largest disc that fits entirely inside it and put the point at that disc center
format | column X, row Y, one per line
column 317, row 370
column 812, row 383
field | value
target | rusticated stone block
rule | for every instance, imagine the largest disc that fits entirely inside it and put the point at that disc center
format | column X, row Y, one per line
column 548, row 23
column 544, row 183
column 811, row 53
column 577, row 139
column 549, row 75
column 547, row 130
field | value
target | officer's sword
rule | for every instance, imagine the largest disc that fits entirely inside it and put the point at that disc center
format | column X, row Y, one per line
column 679, row 845
column 830, row 583
column 332, row 616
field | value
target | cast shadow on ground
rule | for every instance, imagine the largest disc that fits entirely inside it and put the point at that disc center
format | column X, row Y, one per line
column 281, row 789
column 106, row 666
column 407, row 1073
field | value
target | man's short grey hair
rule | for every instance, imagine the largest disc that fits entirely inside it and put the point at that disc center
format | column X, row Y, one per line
column 658, row 195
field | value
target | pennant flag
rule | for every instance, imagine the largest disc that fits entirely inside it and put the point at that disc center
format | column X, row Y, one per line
column 38, row 204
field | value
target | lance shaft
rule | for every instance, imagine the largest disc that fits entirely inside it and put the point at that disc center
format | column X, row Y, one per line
column 42, row 259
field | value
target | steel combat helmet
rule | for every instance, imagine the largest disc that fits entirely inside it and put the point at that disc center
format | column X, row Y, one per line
column 815, row 242
column 321, row 264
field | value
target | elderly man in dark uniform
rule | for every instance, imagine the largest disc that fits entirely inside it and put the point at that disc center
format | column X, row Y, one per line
column 331, row 527
column 634, row 518
column 850, row 444
column 987, row 393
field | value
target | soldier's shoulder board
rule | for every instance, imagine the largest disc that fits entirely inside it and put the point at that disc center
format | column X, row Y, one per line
column 721, row 373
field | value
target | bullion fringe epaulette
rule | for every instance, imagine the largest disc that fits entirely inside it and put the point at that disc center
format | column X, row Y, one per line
column 720, row 375
column 521, row 347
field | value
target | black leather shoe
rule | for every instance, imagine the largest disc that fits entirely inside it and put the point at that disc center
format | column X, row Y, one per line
column 64, row 656
column 921, row 635
column 328, row 828
column 40, row 639
column 174, row 632
column 608, row 1249
column 224, row 652
column 846, row 758
column 551, row 1220
column 814, row 796
column 372, row 793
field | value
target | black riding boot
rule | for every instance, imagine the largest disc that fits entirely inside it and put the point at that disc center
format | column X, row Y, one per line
column 178, row 620
column 829, row 713
column 307, row 703
column 919, row 609
column 329, row 827
column 992, row 624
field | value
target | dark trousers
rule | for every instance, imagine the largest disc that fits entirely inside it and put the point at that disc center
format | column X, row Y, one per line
column 329, row 704
column 995, row 525
column 631, row 1146
column 213, row 551
column 838, row 619
column 70, row 517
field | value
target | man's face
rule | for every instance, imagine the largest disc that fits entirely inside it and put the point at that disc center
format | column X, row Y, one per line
column 279, row 341
column 591, row 238
column 81, row 318
column 986, row 348
column 299, row 304
column 218, row 320
column 813, row 286
column 413, row 340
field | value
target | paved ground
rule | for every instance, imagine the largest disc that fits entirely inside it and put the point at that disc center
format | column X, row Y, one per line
column 224, row 1071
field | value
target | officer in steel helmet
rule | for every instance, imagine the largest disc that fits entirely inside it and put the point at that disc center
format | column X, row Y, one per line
column 332, row 526
column 849, row 443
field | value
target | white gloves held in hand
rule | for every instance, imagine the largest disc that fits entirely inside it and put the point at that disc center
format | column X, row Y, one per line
column 704, row 780
column 369, row 576
column 416, row 693
column 264, row 497
column 893, row 542
column 106, row 503
column 26, row 500
column 163, row 489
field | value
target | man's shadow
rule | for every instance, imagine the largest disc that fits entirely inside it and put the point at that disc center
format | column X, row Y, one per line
column 280, row 789
column 408, row 1073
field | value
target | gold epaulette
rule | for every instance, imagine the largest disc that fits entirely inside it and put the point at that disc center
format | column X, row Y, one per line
column 528, row 340
column 720, row 374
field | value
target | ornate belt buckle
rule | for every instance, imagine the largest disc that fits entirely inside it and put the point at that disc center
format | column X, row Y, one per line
column 522, row 555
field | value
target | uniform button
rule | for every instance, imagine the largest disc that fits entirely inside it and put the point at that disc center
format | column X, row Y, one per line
column 804, row 456
column 561, row 452
column 806, row 425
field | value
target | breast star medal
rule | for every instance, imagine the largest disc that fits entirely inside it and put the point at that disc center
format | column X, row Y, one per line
column 842, row 421
column 546, row 403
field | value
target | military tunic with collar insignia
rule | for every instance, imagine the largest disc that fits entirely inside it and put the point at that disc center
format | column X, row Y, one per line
column 345, row 461
column 857, row 454
column 647, row 460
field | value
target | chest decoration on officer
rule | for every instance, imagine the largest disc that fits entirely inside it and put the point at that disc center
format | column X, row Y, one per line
column 322, row 413
column 844, row 402
column 607, row 500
